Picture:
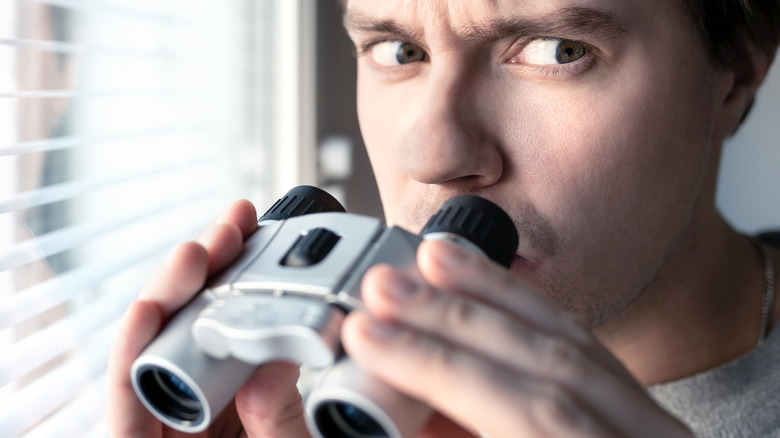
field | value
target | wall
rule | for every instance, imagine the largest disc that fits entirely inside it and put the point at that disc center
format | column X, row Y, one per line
column 749, row 192
column 337, row 115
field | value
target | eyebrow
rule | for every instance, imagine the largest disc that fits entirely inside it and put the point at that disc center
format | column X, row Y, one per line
column 568, row 21
column 358, row 22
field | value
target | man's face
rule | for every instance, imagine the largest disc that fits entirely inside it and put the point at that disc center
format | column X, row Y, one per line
column 589, row 121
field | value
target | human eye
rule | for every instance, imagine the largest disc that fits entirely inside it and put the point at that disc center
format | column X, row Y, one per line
column 551, row 51
column 395, row 53
column 558, row 57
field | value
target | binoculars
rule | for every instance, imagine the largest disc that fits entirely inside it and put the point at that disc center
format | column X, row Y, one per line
column 285, row 298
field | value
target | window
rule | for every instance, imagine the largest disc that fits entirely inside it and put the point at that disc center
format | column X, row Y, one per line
column 127, row 125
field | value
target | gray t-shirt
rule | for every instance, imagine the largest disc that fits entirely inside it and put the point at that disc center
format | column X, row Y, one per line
column 738, row 399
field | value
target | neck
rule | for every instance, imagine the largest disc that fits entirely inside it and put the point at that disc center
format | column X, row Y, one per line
column 702, row 310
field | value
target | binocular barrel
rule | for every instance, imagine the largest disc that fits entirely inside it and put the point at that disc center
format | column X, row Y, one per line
column 178, row 382
column 349, row 403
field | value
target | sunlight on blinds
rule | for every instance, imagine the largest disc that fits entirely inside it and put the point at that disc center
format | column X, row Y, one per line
column 128, row 125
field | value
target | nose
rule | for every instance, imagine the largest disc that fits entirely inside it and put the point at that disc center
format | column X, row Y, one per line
column 450, row 141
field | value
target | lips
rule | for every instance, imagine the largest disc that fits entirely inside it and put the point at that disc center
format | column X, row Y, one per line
column 519, row 263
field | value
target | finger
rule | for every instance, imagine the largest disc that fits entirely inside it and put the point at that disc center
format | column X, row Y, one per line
column 585, row 370
column 172, row 285
column 396, row 296
column 181, row 275
column 453, row 268
column 126, row 416
column 474, row 392
column 223, row 240
column 188, row 266
column 269, row 403
column 223, row 243
column 226, row 424
column 242, row 214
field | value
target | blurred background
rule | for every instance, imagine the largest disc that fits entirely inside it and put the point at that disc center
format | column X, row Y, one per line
column 749, row 191
column 126, row 126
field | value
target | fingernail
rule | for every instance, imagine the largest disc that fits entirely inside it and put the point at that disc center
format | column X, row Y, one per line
column 383, row 330
column 403, row 288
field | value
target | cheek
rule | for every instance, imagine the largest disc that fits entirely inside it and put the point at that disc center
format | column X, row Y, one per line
column 369, row 118
column 616, row 168
column 379, row 114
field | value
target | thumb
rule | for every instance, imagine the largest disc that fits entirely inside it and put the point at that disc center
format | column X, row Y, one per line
column 270, row 405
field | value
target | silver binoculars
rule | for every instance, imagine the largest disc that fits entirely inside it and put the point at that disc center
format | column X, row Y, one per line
column 284, row 300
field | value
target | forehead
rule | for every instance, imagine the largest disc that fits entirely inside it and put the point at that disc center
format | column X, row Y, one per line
column 459, row 14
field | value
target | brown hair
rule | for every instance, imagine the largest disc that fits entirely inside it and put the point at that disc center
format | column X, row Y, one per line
column 729, row 26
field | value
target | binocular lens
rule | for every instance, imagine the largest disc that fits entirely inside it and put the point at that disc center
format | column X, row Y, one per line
column 344, row 420
column 170, row 395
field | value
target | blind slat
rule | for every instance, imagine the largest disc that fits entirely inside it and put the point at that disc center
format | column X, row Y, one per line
column 64, row 335
column 82, row 49
column 105, row 7
column 156, row 107
column 57, row 290
column 77, row 418
column 72, row 94
column 60, row 192
column 27, row 406
column 50, row 46
column 61, row 143
column 45, row 295
column 70, row 237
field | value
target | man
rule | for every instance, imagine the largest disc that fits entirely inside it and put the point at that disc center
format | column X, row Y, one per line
column 598, row 126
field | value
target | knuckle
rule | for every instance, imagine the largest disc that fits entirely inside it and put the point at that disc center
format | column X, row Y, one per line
column 563, row 360
column 228, row 231
column 555, row 406
column 436, row 354
column 187, row 254
column 459, row 312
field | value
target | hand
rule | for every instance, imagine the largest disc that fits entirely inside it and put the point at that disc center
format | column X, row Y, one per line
column 478, row 345
column 268, row 405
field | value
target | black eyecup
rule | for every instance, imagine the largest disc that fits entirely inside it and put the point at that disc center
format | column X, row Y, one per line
column 302, row 200
column 481, row 222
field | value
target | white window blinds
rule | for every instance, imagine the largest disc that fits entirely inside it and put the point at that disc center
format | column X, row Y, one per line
column 125, row 127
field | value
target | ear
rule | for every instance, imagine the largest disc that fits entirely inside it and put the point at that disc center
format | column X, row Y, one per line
column 746, row 74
